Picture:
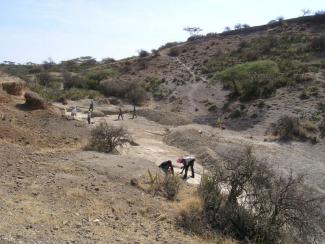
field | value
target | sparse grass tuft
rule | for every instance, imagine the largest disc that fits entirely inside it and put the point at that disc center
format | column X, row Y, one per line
column 167, row 186
column 190, row 215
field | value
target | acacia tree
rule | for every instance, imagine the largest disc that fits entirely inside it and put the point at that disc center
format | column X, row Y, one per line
column 305, row 12
column 193, row 31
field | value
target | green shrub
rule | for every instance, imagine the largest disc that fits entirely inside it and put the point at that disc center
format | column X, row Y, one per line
column 293, row 128
column 153, row 85
column 48, row 93
column 251, row 80
column 53, row 92
column 131, row 90
column 44, row 78
column 136, row 94
column 100, row 74
column 107, row 138
column 77, row 94
column 70, row 81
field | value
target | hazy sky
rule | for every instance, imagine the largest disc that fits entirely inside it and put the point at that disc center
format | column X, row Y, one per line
column 33, row 30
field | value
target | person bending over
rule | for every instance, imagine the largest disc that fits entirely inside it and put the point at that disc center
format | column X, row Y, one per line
column 187, row 162
column 167, row 167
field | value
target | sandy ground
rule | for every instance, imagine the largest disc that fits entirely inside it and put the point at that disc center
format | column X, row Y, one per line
column 149, row 136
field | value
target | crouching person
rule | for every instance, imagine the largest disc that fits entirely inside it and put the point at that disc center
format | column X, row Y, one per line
column 187, row 162
column 167, row 167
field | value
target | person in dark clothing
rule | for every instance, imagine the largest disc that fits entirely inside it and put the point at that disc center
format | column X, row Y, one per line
column 120, row 114
column 187, row 162
column 89, row 117
column 91, row 106
column 166, row 166
column 134, row 113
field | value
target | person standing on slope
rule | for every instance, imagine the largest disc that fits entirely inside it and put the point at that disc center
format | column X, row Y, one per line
column 120, row 114
column 74, row 112
column 134, row 113
column 91, row 106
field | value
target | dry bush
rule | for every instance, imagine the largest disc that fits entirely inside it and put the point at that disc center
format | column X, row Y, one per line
column 190, row 216
column 167, row 186
column 173, row 52
column 318, row 44
column 107, row 138
column 33, row 100
column 248, row 201
column 113, row 87
column 292, row 128
column 14, row 88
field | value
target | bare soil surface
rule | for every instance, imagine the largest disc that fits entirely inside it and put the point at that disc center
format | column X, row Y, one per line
column 53, row 191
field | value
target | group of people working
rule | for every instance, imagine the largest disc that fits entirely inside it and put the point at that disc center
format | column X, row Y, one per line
column 187, row 162
column 91, row 109
column 166, row 166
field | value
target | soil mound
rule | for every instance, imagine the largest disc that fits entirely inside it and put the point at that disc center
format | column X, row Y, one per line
column 196, row 142
column 16, row 88
column 34, row 101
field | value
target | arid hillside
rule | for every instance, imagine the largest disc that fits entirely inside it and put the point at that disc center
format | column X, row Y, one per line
column 186, row 77
column 256, row 90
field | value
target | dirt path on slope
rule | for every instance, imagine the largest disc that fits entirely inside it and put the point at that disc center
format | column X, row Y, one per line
column 197, row 91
